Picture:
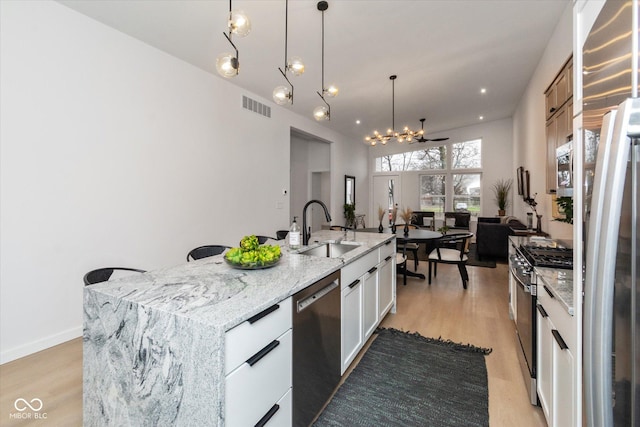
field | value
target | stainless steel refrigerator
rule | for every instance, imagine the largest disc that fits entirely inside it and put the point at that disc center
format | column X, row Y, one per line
column 611, row 119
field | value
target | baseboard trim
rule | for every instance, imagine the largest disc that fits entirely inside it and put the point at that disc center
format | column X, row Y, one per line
column 39, row 345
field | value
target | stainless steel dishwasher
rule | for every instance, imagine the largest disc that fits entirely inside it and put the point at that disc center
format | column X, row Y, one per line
column 316, row 347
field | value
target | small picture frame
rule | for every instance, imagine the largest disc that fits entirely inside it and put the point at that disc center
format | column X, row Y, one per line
column 520, row 176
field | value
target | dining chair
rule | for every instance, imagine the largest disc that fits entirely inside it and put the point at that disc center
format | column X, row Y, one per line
column 424, row 219
column 205, row 251
column 281, row 234
column 263, row 239
column 412, row 247
column 401, row 265
column 457, row 220
column 451, row 249
column 103, row 274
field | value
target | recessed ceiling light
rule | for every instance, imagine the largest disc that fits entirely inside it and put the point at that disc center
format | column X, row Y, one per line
column 483, row 90
column 481, row 117
column 357, row 122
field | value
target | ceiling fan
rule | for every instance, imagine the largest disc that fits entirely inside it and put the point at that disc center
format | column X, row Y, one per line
column 423, row 139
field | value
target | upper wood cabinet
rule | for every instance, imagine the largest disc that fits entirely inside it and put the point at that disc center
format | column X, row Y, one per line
column 559, row 116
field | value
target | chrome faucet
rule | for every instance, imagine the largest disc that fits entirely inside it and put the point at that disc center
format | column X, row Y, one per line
column 305, row 236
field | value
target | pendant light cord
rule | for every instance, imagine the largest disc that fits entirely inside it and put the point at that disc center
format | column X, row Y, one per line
column 323, row 51
column 286, row 32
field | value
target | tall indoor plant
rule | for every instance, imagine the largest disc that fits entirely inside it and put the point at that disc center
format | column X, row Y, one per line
column 501, row 190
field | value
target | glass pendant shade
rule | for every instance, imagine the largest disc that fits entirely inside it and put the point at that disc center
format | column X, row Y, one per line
column 227, row 65
column 321, row 113
column 295, row 65
column 331, row 91
column 282, row 95
column 239, row 24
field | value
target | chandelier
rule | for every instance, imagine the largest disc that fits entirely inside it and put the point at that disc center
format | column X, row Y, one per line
column 282, row 94
column 228, row 64
column 406, row 134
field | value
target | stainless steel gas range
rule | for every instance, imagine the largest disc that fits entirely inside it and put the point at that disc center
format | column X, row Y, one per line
column 525, row 254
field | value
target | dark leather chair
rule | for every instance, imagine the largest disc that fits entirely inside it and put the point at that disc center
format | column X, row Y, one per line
column 451, row 249
column 460, row 220
column 492, row 237
column 418, row 219
column 205, row 251
column 103, row 274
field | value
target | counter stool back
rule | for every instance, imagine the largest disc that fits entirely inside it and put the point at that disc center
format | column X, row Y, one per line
column 103, row 274
column 205, row 251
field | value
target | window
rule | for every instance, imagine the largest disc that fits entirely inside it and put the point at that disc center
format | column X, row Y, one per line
column 450, row 178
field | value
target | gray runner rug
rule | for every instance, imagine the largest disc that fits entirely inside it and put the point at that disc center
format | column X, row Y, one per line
column 408, row 380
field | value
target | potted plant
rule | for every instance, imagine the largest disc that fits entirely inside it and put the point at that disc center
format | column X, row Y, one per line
column 565, row 205
column 501, row 191
column 350, row 214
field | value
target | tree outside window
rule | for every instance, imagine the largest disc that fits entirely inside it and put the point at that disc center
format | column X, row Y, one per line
column 432, row 192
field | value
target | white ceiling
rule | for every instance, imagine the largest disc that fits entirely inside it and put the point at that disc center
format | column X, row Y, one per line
column 442, row 51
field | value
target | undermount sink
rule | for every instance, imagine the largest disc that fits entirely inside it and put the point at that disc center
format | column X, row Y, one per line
column 329, row 250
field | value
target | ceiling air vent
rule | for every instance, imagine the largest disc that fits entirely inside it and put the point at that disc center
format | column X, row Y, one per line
column 255, row 106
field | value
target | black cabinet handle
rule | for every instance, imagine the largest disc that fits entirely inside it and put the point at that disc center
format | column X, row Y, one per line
column 355, row 282
column 387, row 242
column 264, row 420
column 263, row 313
column 542, row 311
column 388, row 258
column 262, row 353
column 372, row 270
column 559, row 340
column 548, row 291
column 552, row 109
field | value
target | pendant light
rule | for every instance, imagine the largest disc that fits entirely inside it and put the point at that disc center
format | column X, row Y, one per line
column 406, row 134
column 227, row 64
column 323, row 112
column 281, row 94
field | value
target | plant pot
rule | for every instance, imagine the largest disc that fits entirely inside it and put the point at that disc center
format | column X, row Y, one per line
column 393, row 228
column 502, row 212
column 380, row 228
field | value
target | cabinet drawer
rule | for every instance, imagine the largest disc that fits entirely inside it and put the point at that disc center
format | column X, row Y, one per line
column 247, row 338
column 281, row 415
column 561, row 319
column 357, row 268
column 251, row 391
column 386, row 250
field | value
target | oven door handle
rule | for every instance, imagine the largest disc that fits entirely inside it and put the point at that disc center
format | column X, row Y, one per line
column 527, row 288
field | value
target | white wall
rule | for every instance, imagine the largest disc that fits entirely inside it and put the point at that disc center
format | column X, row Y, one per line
column 496, row 161
column 115, row 153
column 529, row 125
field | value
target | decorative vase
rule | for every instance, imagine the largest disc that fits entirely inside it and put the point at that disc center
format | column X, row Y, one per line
column 393, row 228
column 380, row 227
column 529, row 221
column 539, row 224
column 406, row 230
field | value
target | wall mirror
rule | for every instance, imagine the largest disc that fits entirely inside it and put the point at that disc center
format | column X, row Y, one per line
column 349, row 190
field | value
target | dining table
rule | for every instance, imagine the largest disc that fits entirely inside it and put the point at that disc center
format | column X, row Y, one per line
column 414, row 235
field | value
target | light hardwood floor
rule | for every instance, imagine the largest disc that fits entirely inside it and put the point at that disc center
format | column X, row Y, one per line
column 478, row 316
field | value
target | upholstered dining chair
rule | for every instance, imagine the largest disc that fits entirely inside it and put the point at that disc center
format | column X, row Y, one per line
column 451, row 249
column 103, row 274
column 205, row 251
column 412, row 247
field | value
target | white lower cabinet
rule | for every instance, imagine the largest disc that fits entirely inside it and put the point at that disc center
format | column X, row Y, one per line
column 386, row 285
column 258, row 356
column 367, row 296
column 556, row 364
column 351, row 326
column 370, row 302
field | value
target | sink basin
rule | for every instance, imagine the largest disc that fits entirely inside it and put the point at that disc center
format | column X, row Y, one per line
column 329, row 250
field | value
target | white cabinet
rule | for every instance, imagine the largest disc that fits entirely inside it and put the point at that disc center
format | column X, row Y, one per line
column 386, row 285
column 370, row 297
column 258, row 366
column 351, row 325
column 556, row 364
column 368, row 294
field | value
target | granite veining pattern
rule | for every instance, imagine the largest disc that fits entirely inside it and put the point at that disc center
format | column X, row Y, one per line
column 153, row 348
column 560, row 283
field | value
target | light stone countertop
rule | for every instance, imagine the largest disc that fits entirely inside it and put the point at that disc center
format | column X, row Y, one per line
column 560, row 283
column 153, row 343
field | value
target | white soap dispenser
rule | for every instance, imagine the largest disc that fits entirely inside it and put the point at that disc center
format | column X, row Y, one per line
column 294, row 235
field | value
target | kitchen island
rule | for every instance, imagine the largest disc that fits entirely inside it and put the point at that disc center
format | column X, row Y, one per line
column 154, row 344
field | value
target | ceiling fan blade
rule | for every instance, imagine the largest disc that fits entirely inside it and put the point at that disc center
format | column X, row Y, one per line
column 435, row 139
